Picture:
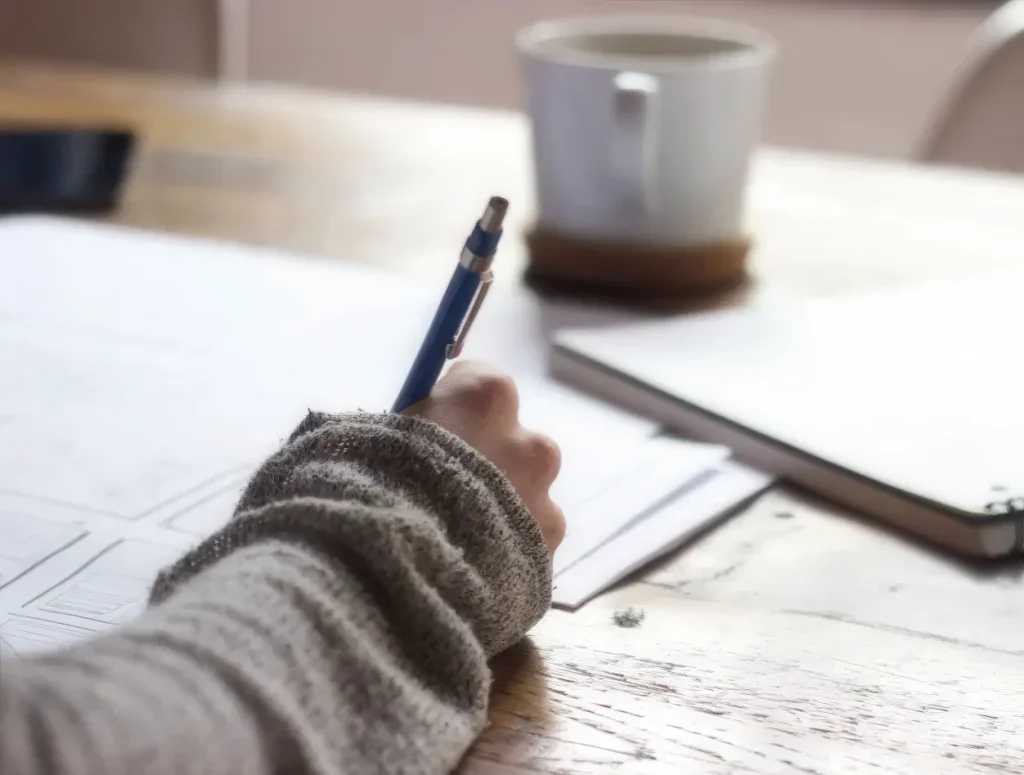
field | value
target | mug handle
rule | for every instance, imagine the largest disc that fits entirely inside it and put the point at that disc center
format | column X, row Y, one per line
column 633, row 148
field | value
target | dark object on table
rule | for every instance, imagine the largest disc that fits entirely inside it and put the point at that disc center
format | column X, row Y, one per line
column 629, row 619
column 55, row 169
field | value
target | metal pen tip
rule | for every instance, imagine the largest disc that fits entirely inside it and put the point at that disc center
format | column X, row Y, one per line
column 491, row 220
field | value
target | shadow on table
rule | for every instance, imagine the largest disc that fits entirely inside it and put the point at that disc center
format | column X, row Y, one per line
column 520, row 713
column 1007, row 569
column 519, row 673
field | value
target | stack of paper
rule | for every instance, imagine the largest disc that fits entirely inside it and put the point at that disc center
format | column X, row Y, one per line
column 629, row 494
column 711, row 494
column 146, row 376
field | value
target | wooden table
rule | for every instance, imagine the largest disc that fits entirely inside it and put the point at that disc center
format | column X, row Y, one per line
column 795, row 638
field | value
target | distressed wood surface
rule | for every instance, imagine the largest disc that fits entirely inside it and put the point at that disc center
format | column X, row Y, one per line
column 796, row 638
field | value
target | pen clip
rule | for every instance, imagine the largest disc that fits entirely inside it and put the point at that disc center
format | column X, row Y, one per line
column 453, row 350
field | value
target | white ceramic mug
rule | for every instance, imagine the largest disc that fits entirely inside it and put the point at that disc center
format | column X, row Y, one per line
column 643, row 127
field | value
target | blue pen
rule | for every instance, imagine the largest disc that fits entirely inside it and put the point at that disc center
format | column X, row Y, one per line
column 458, row 308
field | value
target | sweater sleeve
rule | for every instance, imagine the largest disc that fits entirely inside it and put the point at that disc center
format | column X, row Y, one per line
column 340, row 623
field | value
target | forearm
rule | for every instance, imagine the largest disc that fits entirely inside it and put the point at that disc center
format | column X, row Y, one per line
column 290, row 680
column 342, row 621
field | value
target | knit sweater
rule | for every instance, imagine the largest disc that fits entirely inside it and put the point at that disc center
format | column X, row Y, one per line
column 341, row 622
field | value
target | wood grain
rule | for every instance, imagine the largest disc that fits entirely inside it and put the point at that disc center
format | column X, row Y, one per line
column 795, row 638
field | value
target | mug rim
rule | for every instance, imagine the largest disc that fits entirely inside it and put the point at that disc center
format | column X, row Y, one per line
column 755, row 47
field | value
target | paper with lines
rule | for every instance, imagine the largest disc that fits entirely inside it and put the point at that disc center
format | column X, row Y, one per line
column 109, row 589
column 29, row 542
column 23, row 635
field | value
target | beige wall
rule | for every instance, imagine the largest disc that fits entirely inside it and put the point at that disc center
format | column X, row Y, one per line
column 172, row 36
column 860, row 77
column 854, row 76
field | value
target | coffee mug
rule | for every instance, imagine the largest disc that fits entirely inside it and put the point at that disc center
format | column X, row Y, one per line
column 643, row 127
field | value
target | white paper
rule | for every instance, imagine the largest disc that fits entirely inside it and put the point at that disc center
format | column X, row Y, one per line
column 207, row 510
column 692, row 512
column 109, row 589
column 64, row 579
column 145, row 377
column 613, row 468
column 648, row 475
column 28, row 542
column 599, row 443
column 23, row 635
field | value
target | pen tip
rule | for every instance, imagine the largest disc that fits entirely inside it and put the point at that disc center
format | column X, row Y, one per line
column 494, row 214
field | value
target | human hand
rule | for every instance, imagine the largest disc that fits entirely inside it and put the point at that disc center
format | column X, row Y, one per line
column 481, row 406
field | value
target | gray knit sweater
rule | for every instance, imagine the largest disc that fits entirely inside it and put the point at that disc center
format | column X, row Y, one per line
column 341, row 622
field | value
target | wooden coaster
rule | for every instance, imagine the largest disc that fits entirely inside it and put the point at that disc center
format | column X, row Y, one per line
column 634, row 271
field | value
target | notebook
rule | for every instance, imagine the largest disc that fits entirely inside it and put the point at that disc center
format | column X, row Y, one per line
column 907, row 404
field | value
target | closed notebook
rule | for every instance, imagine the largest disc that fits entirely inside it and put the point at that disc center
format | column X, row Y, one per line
column 907, row 405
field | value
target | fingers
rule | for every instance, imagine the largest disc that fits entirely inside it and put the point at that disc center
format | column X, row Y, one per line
column 538, row 454
column 537, row 460
column 551, row 520
column 481, row 391
column 481, row 404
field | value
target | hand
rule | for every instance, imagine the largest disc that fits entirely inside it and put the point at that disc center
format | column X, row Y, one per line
column 481, row 406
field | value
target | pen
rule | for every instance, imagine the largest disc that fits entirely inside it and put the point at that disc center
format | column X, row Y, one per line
column 458, row 308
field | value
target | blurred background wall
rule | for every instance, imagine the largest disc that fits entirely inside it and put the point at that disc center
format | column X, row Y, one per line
column 177, row 36
column 856, row 76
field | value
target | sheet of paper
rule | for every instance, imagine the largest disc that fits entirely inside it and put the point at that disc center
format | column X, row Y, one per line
column 691, row 512
column 24, row 635
column 146, row 376
column 27, row 543
column 648, row 475
column 66, row 574
column 109, row 589
column 590, row 434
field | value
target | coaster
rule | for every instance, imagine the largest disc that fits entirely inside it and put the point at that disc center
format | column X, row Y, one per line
column 634, row 270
